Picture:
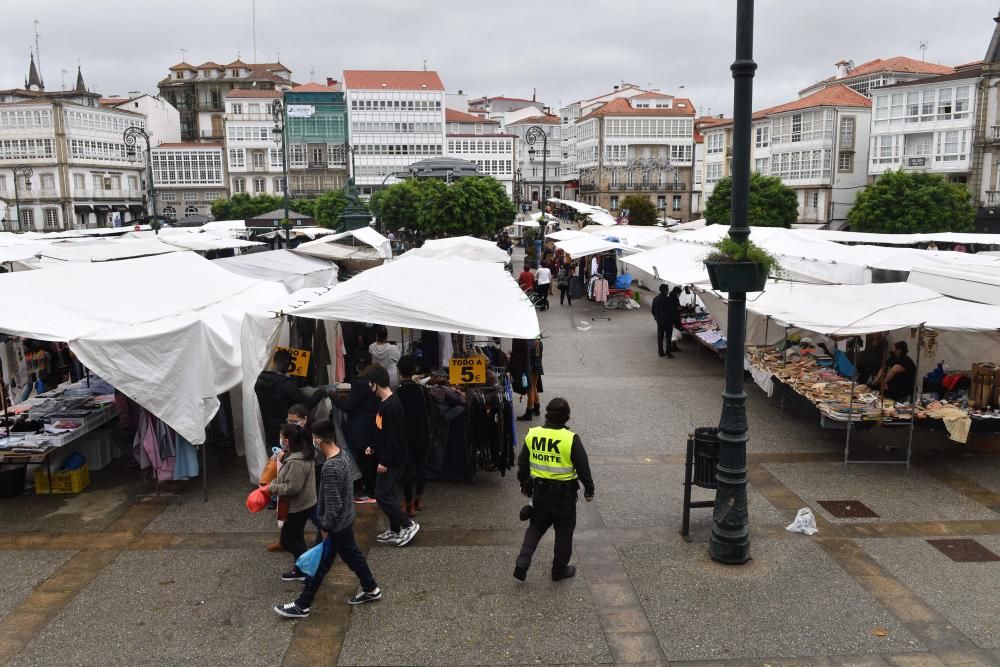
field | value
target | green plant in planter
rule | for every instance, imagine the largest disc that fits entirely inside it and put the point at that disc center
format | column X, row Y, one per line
column 735, row 266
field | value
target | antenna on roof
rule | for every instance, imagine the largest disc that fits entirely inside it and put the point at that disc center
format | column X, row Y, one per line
column 253, row 27
column 923, row 51
column 184, row 55
column 312, row 74
column 64, row 79
column 425, row 64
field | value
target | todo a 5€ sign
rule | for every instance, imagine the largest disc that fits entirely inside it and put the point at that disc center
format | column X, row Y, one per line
column 300, row 359
column 468, row 370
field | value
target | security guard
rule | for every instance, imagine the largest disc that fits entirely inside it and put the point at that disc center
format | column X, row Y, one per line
column 551, row 466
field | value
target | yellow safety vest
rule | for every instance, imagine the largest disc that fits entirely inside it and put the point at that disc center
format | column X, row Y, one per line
column 549, row 453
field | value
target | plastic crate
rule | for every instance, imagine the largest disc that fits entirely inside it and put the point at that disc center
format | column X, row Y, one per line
column 63, row 481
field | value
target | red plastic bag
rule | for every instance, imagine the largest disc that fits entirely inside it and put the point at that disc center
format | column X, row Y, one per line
column 258, row 499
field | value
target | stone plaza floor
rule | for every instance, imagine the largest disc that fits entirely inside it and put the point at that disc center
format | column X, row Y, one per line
column 104, row 579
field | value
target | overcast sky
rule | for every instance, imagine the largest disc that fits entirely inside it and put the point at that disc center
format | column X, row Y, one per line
column 566, row 49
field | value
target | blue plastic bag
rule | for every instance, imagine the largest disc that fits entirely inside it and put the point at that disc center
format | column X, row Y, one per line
column 308, row 562
column 623, row 281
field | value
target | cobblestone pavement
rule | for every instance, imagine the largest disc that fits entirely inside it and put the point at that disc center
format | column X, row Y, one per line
column 104, row 579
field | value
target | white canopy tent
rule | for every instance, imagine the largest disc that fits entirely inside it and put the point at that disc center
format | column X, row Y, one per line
column 908, row 239
column 639, row 237
column 465, row 247
column 979, row 284
column 526, row 223
column 591, row 245
column 566, row 235
column 292, row 270
column 166, row 334
column 365, row 235
column 308, row 232
column 700, row 223
column 482, row 300
column 205, row 242
column 104, row 250
column 674, row 263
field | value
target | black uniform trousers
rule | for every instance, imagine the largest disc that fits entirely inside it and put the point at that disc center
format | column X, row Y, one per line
column 556, row 510
column 664, row 332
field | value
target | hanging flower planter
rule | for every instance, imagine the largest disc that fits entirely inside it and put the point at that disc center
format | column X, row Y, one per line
column 739, row 267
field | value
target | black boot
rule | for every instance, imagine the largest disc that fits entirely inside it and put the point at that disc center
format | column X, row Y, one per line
column 538, row 411
column 526, row 417
column 520, row 573
column 564, row 573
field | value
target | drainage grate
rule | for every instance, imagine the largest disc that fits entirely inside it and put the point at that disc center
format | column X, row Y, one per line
column 964, row 551
column 848, row 509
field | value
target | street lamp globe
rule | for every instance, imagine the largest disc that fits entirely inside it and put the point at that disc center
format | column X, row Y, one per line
column 531, row 154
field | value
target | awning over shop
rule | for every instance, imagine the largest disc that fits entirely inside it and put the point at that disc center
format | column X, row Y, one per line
column 121, row 208
column 293, row 271
column 83, row 208
column 101, row 208
column 167, row 335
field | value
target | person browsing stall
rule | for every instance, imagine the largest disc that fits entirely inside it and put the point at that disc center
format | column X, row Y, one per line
column 295, row 484
column 385, row 354
column 899, row 373
column 416, row 408
column 360, row 406
column 277, row 391
column 543, row 284
column 551, row 467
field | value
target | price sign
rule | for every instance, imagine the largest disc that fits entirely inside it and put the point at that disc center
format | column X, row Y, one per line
column 468, row 370
column 300, row 360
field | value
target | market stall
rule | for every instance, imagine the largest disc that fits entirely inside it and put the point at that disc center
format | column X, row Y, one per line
column 834, row 322
column 482, row 303
column 355, row 250
column 163, row 330
column 293, row 270
column 465, row 247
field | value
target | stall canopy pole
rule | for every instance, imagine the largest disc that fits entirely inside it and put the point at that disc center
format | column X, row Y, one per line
column 913, row 398
column 850, row 409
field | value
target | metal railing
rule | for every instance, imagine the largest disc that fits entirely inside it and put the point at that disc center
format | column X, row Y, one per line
column 992, row 197
column 109, row 194
column 994, row 133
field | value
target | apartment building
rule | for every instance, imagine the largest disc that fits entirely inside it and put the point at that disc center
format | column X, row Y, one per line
column 253, row 149
column 163, row 124
column 877, row 73
column 317, row 138
column 396, row 118
column 199, row 92
column 717, row 146
column 83, row 174
column 479, row 140
column 188, row 178
column 642, row 144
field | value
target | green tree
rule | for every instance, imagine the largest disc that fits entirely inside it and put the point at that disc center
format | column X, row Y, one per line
column 901, row 202
column 641, row 211
column 242, row 206
column 772, row 203
column 475, row 205
column 328, row 207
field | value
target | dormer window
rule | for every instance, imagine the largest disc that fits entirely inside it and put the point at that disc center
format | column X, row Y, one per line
column 234, row 73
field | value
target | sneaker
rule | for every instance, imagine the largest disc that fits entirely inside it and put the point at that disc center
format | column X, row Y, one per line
column 364, row 597
column 364, row 500
column 407, row 534
column 293, row 575
column 290, row 610
column 388, row 537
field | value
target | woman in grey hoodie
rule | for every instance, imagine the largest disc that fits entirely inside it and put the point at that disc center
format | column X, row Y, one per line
column 296, row 484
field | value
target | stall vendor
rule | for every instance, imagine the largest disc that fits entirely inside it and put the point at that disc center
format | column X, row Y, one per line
column 897, row 377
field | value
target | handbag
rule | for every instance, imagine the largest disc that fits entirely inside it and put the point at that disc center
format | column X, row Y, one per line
column 269, row 472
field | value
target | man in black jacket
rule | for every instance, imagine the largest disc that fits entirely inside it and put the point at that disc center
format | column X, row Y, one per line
column 360, row 406
column 417, row 408
column 392, row 454
column 551, row 467
column 276, row 392
column 666, row 312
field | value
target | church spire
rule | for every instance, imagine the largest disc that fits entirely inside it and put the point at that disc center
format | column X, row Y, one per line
column 80, row 86
column 34, row 81
column 993, row 52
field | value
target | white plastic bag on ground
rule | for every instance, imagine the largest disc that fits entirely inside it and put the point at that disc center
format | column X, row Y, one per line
column 804, row 522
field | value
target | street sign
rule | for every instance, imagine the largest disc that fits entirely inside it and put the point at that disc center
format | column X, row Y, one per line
column 301, row 110
column 916, row 161
column 300, row 359
column 468, row 370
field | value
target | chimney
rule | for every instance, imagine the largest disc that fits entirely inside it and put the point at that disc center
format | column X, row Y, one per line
column 460, row 92
column 330, row 81
column 842, row 68
column 616, row 87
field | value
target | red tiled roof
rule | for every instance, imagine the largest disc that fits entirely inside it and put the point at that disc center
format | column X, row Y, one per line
column 180, row 66
column 210, row 65
column 622, row 107
column 240, row 63
column 837, row 95
column 896, row 64
column 250, row 93
column 112, row 101
column 456, row 116
column 314, row 87
column 191, row 144
column 652, row 94
column 549, row 119
column 364, row 79
column 974, row 63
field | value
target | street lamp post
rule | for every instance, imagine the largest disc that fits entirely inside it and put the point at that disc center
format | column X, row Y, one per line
column 533, row 134
column 25, row 171
column 278, row 113
column 730, row 540
column 130, row 136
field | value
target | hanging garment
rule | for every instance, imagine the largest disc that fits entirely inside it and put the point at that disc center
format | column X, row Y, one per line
column 186, row 461
column 341, row 364
column 446, row 348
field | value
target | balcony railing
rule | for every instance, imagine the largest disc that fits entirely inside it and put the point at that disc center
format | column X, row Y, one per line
column 588, row 187
column 33, row 193
column 992, row 197
column 109, row 194
column 994, row 133
column 650, row 187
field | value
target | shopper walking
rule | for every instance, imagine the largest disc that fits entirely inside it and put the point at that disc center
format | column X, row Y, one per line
column 526, row 280
column 298, row 415
column 563, row 280
column 543, row 284
column 336, row 515
column 666, row 312
column 391, row 452
column 296, row 486
column 385, row 354
column 551, row 467
column 361, row 406
column 276, row 392
column 416, row 407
